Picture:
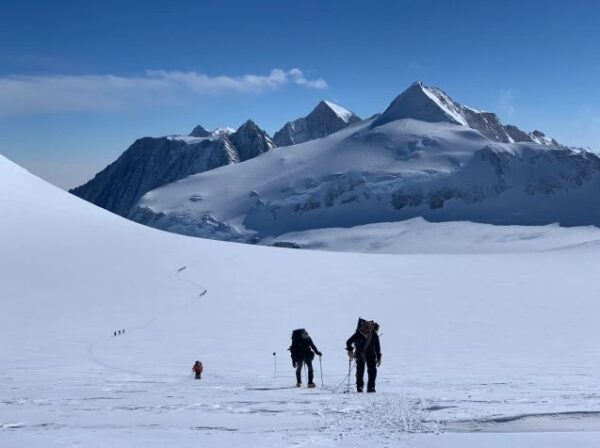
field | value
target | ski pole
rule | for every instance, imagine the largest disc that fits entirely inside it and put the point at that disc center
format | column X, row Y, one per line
column 349, row 372
column 321, row 370
column 275, row 369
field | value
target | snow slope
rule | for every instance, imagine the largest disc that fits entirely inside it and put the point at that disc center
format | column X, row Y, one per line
column 487, row 350
column 366, row 174
column 419, row 236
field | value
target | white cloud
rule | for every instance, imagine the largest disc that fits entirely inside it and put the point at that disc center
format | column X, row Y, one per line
column 22, row 95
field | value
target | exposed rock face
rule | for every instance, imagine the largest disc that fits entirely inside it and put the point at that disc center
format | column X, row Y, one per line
column 325, row 119
column 150, row 163
column 540, row 137
column 517, row 134
column 488, row 124
column 250, row 141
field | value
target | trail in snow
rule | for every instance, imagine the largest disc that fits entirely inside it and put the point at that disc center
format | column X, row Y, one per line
column 154, row 319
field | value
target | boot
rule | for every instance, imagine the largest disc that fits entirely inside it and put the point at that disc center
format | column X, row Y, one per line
column 371, row 390
column 359, row 389
column 311, row 385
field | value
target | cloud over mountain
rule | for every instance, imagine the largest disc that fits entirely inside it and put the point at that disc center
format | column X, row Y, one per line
column 27, row 94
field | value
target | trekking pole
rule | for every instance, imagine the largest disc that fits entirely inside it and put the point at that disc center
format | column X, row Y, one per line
column 349, row 372
column 321, row 370
column 275, row 369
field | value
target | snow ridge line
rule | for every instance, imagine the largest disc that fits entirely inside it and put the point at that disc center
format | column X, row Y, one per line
column 91, row 347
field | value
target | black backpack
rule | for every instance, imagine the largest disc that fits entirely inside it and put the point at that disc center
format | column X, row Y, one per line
column 297, row 335
column 299, row 344
column 362, row 321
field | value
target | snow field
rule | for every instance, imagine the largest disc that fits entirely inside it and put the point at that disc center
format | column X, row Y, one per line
column 471, row 342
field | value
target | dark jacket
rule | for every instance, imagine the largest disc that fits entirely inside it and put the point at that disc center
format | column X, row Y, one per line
column 303, row 349
column 366, row 346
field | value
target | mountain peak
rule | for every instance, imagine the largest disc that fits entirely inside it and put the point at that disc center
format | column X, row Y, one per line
column 431, row 104
column 424, row 103
column 248, row 124
column 250, row 140
column 326, row 118
column 339, row 111
column 200, row 131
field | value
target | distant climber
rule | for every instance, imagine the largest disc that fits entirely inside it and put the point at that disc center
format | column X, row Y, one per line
column 198, row 369
column 366, row 350
column 119, row 332
column 303, row 351
column 123, row 331
column 115, row 333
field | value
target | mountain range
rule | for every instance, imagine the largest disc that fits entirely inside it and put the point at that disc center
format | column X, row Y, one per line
column 425, row 155
column 151, row 162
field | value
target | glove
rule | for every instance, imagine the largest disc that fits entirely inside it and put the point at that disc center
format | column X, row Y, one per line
column 319, row 354
column 351, row 354
column 294, row 364
column 379, row 361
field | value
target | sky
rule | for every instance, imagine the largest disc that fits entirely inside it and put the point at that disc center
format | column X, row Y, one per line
column 80, row 81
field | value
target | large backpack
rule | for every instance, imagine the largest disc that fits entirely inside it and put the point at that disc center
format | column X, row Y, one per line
column 362, row 345
column 362, row 322
column 299, row 345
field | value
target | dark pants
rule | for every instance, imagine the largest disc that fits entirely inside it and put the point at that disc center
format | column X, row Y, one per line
column 198, row 375
column 371, row 363
column 309, row 366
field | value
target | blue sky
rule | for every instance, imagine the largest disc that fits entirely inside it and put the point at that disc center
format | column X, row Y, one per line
column 80, row 81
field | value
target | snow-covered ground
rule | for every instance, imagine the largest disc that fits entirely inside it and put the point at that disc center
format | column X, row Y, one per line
column 417, row 236
column 481, row 349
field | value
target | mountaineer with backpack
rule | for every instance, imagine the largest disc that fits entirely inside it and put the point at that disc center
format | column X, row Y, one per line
column 303, row 351
column 198, row 369
column 367, row 350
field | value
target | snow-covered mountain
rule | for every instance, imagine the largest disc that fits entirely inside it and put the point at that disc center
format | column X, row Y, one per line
column 433, row 105
column 152, row 162
column 422, row 157
column 325, row 119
